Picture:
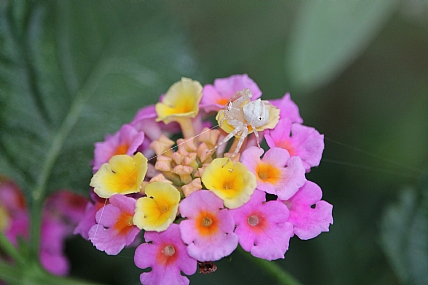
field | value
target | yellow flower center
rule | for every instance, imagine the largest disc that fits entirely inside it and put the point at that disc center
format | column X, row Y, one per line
column 227, row 185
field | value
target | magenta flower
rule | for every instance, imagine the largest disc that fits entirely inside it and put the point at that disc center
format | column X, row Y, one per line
column 262, row 227
column 208, row 230
column 145, row 121
column 299, row 140
column 308, row 213
column 277, row 173
column 53, row 235
column 13, row 212
column 167, row 255
column 126, row 141
column 88, row 219
column 70, row 205
column 61, row 212
column 288, row 109
column 216, row 96
column 115, row 228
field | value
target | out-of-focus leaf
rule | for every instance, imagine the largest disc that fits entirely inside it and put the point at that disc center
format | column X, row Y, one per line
column 327, row 36
column 72, row 71
column 404, row 236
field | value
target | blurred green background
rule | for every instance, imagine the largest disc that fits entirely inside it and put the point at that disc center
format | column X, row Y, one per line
column 72, row 71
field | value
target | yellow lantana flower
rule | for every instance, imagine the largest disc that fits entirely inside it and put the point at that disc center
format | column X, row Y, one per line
column 232, row 182
column 123, row 174
column 180, row 101
column 158, row 210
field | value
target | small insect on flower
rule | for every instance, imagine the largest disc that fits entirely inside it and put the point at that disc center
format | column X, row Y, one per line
column 240, row 114
column 207, row 267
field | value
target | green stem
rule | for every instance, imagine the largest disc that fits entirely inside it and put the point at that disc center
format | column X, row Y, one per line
column 34, row 275
column 58, row 141
column 272, row 268
column 9, row 273
column 10, row 250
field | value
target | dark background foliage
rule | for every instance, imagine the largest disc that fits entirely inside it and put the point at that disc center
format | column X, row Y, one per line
column 73, row 71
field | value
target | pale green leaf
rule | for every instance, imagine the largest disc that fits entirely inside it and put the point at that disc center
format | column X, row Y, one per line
column 404, row 236
column 73, row 71
column 328, row 35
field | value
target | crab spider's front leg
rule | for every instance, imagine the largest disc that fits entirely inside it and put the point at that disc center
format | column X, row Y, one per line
column 240, row 142
column 238, row 127
column 257, row 135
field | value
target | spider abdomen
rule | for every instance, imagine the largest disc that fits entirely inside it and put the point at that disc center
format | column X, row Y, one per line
column 256, row 113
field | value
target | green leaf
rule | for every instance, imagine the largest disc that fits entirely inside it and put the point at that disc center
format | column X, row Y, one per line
column 327, row 36
column 404, row 236
column 72, row 71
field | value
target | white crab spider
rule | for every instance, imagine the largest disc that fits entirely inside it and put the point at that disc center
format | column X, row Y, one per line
column 240, row 113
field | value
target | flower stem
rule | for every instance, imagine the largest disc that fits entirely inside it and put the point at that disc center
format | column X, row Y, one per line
column 272, row 268
column 34, row 275
column 9, row 249
column 186, row 127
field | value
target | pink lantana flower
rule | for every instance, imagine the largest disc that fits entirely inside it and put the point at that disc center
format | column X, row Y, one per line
column 167, row 255
column 308, row 213
column 126, row 141
column 70, row 205
column 298, row 140
column 145, row 121
column 13, row 212
column 115, row 229
column 262, row 227
column 288, row 108
column 216, row 96
column 52, row 256
column 61, row 212
column 88, row 219
column 208, row 230
column 277, row 173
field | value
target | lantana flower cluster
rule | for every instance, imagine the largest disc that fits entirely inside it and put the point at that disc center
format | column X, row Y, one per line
column 61, row 213
column 195, row 199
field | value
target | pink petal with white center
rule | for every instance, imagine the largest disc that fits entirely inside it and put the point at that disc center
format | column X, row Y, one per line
column 115, row 229
column 288, row 108
column 308, row 213
column 126, row 141
column 276, row 172
column 299, row 140
column 208, row 230
column 167, row 255
column 262, row 227
column 216, row 96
